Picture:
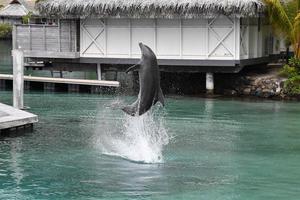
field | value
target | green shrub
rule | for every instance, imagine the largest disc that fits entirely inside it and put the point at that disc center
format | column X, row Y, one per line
column 295, row 62
column 288, row 71
column 26, row 18
column 292, row 68
column 292, row 86
column 5, row 30
column 292, row 72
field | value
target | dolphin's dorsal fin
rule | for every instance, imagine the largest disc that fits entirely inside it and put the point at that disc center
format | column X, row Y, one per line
column 133, row 67
column 160, row 97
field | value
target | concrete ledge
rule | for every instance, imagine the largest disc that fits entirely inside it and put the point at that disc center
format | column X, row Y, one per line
column 64, row 80
column 11, row 117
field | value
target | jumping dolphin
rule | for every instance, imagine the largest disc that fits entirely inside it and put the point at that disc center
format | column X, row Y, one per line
column 150, row 91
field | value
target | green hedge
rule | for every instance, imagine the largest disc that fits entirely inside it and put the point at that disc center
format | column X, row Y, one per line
column 292, row 72
column 5, row 30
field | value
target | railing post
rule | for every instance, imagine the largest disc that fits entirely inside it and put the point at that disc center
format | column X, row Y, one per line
column 14, row 37
column 59, row 34
column 70, row 36
column 209, row 83
column 99, row 71
column 18, row 78
column 44, row 37
column 75, row 36
column 30, row 38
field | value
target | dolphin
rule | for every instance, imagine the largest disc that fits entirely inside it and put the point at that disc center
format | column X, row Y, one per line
column 150, row 92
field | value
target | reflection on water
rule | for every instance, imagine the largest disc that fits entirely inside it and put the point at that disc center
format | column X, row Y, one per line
column 221, row 149
column 17, row 172
column 16, row 160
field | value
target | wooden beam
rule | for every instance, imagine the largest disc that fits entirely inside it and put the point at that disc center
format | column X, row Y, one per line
column 170, row 62
column 51, row 54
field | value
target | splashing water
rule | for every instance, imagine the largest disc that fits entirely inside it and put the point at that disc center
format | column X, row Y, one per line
column 139, row 139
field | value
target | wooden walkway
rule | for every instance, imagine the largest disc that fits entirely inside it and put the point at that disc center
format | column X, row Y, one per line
column 11, row 117
column 64, row 80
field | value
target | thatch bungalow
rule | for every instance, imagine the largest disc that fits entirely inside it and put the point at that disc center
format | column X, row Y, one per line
column 196, row 35
column 13, row 12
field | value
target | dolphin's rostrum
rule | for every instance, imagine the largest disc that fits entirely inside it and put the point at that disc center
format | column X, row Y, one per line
column 150, row 91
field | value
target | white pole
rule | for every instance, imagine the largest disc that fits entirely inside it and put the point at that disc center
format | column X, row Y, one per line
column 18, row 78
column 209, row 83
column 99, row 73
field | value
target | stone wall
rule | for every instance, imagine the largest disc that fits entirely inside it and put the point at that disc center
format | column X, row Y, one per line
column 264, row 87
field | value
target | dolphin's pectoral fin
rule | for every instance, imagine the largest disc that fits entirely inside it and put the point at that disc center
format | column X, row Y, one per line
column 160, row 97
column 131, row 109
column 133, row 67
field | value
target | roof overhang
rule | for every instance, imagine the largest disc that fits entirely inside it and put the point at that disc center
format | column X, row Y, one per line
column 149, row 8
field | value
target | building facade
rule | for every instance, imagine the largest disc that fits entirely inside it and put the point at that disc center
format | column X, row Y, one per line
column 209, row 36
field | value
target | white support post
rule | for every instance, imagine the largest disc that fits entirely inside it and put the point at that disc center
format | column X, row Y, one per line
column 99, row 72
column 209, row 83
column 18, row 78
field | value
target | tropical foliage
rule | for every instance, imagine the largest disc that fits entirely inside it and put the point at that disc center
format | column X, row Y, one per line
column 285, row 19
column 26, row 18
column 292, row 72
column 292, row 86
column 5, row 30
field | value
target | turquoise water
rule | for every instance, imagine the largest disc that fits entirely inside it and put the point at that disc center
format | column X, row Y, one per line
column 218, row 149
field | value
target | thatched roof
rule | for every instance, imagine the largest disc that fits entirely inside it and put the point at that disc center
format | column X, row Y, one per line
column 149, row 8
column 17, row 8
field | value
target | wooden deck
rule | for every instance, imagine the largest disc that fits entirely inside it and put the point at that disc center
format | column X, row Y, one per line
column 47, row 41
column 11, row 117
column 64, row 80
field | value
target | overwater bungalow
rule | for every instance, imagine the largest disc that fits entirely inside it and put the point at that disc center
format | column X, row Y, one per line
column 15, row 10
column 186, row 35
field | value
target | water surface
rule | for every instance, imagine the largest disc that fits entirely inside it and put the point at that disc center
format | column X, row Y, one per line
column 220, row 149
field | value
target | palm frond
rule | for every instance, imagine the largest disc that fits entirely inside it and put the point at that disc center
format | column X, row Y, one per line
column 296, row 34
column 279, row 18
column 291, row 9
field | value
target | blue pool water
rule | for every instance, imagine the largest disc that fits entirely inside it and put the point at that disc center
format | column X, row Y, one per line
column 211, row 149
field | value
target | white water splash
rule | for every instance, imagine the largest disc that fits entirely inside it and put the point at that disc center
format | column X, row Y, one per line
column 138, row 139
